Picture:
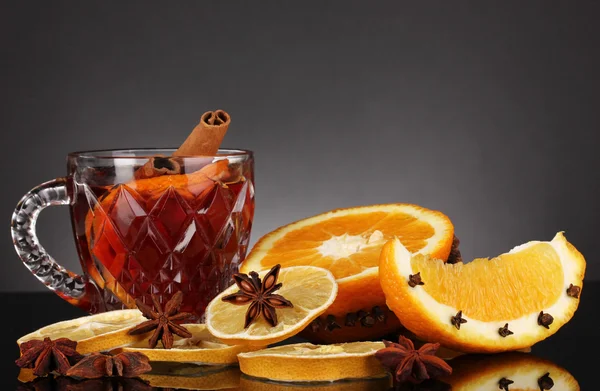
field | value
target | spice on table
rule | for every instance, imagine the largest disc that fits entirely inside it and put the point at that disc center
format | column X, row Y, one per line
column 163, row 322
column 96, row 365
column 410, row 364
column 260, row 296
column 48, row 355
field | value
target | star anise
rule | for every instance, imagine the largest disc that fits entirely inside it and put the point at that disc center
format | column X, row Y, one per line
column 162, row 322
column 96, row 365
column 410, row 364
column 260, row 296
column 47, row 356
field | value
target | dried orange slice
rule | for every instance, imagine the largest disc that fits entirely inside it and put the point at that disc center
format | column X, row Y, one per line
column 308, row 362
column 516, row 371
column 201, row 348
column 488, row 305
column 93, row 333
column 348, row 243
column 310, row 289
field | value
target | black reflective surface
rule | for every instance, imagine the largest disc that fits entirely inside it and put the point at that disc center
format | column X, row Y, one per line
column 570, row 353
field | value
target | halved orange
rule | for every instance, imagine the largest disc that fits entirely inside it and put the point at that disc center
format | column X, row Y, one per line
column 488, row 305
column 348, row 242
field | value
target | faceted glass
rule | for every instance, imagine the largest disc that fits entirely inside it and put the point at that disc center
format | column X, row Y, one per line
column 160, row 235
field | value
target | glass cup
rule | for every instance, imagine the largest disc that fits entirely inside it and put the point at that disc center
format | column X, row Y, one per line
column 187, row 231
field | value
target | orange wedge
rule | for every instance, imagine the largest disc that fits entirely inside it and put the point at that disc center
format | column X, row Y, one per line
column 488, row 305
column 348, row 243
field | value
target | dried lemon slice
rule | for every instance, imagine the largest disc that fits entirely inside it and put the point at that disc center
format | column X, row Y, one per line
column 201, row 348
column 311, row 291
column 93, row 333
column 308, row 362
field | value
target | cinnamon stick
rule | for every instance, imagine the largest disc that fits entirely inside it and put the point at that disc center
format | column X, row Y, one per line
column 204, row 140
column 206, row 137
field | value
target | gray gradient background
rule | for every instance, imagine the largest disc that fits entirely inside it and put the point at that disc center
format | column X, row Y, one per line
column 487, row 112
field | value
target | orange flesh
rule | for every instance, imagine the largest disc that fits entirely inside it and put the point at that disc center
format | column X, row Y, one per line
column 505, row 287
column 301, row 246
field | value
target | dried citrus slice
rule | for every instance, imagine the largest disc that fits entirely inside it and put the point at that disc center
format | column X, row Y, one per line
column 383, row 383
column 517, row 371
column 310, row 289
column 348, row 243
column 308, row 362
column 488, row 305
column 192, row 377
column 93, row 333
column 202, row 348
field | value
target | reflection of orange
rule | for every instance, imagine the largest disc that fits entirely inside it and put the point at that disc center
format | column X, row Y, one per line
column 190, row 377
column 506, row 303
column 483, row 372
column 248, row 383
column 348, row 243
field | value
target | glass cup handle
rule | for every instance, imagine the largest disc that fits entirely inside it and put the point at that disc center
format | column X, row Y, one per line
column 68, row 285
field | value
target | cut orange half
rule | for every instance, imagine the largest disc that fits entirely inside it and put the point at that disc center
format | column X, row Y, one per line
column 201, row 348
column 93, row 333
column 348, row 242
column 488, row 305
column 311, row 290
